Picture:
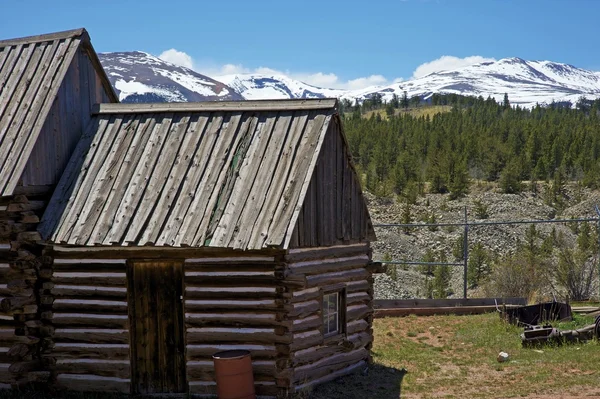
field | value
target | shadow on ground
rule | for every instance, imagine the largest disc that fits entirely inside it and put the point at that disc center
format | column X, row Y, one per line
column 375, row 382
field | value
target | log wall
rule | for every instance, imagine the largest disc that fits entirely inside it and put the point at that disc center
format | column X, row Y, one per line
column 90, row 325
column 269, row 303
column 234, row 303
column 23, row 272
column 313, row 358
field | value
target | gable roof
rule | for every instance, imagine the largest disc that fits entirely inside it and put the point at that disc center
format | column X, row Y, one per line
column 32, row 70
column 227, row 174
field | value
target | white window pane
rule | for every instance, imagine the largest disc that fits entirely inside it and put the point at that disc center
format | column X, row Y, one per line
column 332, row 323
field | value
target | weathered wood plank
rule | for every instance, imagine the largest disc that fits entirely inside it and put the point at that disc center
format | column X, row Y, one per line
column 106, row 368
column 91, row 335
column 90, row 319
column 265, row 105
column 93, row 383
column 90, row 351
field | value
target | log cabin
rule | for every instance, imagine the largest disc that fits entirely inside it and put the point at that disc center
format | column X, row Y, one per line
column 181, row 230
column 48, row 85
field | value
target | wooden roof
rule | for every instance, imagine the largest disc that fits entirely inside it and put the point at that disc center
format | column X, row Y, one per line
column 229, row 174
column 31, row 72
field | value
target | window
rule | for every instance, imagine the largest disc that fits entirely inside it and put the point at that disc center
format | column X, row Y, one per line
column 333, row 313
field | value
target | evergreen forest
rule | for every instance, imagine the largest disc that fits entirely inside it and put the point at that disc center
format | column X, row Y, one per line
column 477, row 139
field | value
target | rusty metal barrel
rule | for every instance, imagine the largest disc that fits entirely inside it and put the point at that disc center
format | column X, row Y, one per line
column 233, row 373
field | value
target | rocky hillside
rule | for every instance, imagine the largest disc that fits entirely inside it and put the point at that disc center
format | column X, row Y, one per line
column 497, row 239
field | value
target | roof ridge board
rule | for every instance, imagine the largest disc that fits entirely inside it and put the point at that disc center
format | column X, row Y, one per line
column 213, row 106
column 67, row 34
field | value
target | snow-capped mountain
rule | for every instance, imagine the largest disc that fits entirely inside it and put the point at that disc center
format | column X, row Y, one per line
column 142, row 77
column 526, row 82
column 260, row 86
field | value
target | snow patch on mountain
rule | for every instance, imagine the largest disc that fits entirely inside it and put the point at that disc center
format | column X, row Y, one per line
column 142, row 77
column 261, row 87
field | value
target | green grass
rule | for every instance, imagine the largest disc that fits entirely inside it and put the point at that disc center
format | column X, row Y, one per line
column 455, row 357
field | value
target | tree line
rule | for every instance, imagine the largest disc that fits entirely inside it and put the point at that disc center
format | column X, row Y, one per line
column 477, row 139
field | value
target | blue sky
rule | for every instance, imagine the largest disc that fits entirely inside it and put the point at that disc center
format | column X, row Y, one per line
column 330, row 43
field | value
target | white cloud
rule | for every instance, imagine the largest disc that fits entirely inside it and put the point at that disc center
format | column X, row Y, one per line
column 177, row 57
column 321, row 79
column 448, row 62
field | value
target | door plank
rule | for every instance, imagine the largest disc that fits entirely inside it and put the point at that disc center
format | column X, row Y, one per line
column 158, row 362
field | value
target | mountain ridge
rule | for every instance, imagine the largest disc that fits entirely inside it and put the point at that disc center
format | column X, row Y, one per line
column 141, row 77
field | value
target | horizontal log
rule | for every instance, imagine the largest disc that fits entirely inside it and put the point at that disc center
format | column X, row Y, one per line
column 90, row 351
column 106, row 368
column 7, row 335
column 196, row 352
column 65, row 252
column 14, row 303
column 356, row 286
column 306, row 339
column 315, row 353
column 330, row 377
column 26, row 206
column 90, row 265
column 29, row 236
column 233, row 334
column 329, row 265
column 356, row 341
column 91, row 305
column 90, row 279
column 92, row 383
column 303, row 309
column 205, row 370
column 88, row 291
column 93, row 320
column 27, row 309
column 357, row 326
column 329, row 365
column 232, row 318
column 18, row 351
column 356, row 312
column 304, row 254
column 92, row 335
column 230, row 292
column 26, row 366
column 235, row 266
column 230, row 260
column 324, row 279
column 38, row 376
column 305, row 295
column 307, row 323
column 237, row 304
column 241, row 280
column 358, row 297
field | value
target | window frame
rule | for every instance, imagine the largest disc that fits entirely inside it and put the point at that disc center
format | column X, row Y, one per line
column 340, row 333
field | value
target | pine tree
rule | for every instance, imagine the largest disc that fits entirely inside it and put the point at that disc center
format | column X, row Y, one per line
column 477, row 267
column 404, row 100
column 506, row 103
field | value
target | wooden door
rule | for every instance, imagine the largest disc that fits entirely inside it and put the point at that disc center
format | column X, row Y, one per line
column 155, row 290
